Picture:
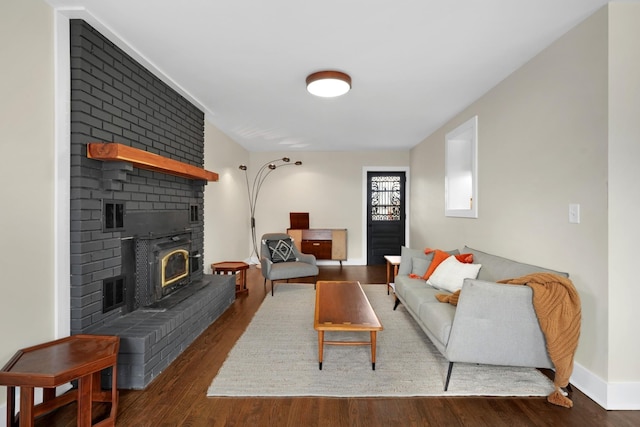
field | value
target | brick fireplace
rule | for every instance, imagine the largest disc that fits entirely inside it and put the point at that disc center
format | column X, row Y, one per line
column 137, row 235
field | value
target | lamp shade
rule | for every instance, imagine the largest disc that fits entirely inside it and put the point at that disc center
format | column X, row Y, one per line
column 328, row 84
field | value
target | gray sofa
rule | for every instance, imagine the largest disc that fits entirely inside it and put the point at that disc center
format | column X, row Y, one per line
column 493, row 324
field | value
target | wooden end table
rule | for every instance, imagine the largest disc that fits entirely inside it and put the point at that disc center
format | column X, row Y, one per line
column 392, row 261
column 233, row 267
column 52, row 364
column 343, row 306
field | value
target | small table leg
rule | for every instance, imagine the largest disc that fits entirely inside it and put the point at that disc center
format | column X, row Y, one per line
column 11, row 407
column 26, row 407
column 373, row 350
column 388, row 273
column 243, row 280
column 85, row 389
column 320, row 348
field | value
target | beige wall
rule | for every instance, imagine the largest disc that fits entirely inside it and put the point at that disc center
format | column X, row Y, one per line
column 226, row 210
column 27, row 165
column 624, row 197
column 545, row 137
column 328, row 185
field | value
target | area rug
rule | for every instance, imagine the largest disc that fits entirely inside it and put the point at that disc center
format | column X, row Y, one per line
column 278, row 356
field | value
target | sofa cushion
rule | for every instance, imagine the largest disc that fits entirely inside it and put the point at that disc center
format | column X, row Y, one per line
column 419, row 266
column 451, row 273
column 415, row 292
column 288, row 270
column 438, row 318
column 495, row 268
column 406, row 259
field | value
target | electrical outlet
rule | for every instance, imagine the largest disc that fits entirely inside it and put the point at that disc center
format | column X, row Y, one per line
column 574, row 213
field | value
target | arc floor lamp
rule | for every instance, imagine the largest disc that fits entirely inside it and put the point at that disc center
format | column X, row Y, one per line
column 253, row 191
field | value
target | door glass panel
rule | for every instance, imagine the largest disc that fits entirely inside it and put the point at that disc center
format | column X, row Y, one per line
column 385, row 198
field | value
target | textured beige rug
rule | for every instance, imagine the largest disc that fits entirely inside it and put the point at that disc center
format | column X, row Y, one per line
column 278, row 356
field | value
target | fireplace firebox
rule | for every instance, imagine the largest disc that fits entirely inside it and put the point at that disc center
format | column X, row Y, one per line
column 162, row 266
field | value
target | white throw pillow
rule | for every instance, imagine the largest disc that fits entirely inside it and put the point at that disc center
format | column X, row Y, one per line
column 450, row 274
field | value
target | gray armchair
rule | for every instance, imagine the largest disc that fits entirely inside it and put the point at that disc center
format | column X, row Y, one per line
column 303, row 266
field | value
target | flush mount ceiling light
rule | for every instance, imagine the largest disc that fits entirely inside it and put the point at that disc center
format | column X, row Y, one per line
column 328, row 84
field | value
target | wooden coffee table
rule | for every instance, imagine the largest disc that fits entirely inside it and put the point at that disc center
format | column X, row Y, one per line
column 343, row 306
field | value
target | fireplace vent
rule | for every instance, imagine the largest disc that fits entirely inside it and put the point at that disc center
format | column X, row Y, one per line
column 113, row 213
column 113, row 293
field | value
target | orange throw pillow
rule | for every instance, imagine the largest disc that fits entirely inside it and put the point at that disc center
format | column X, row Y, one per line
column 438, row 257
column 465, row 258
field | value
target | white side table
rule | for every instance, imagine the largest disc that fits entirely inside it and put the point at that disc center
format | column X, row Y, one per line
column 393, row 261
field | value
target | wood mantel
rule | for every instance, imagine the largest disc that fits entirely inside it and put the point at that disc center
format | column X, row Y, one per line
column 113, row 151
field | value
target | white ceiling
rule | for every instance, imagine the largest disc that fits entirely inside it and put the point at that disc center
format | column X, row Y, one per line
column 414, row 63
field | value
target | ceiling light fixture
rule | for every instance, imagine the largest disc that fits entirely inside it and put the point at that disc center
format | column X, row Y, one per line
column 328, row 84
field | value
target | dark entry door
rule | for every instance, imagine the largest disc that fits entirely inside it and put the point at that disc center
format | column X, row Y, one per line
column 386, row 215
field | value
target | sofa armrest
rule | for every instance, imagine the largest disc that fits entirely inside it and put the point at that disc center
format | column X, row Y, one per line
column 496, row 324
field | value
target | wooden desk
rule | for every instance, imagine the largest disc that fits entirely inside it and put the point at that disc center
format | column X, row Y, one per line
column 392, row 261
column 233, row 267
column 78, row 357
column 343, row 306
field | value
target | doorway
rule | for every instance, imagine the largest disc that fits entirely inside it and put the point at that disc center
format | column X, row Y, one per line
column 386, row 214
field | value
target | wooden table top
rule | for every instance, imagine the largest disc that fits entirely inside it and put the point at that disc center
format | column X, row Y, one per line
column 60, row 361
column 343, row 306
column 393, row 259
column 230, row 265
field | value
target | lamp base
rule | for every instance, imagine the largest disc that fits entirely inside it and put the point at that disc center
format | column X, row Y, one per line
column 253, row 260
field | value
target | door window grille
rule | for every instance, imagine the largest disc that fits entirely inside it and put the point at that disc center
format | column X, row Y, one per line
column 385, row 198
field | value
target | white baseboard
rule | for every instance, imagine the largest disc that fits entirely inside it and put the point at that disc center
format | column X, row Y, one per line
column 611, row 396
column 350, row 261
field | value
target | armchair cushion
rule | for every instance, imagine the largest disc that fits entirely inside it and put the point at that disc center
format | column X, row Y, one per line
column 281, row 250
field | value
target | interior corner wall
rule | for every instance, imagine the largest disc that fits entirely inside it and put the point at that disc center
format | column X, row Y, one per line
column 226, row 206
column 328, row 185
column 542, row 144
column 624, row 198
column 27, row 310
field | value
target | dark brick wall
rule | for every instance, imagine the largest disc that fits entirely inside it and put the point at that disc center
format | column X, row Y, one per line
column 115, row 99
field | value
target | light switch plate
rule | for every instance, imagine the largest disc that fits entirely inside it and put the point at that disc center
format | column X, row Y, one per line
column 574, row 213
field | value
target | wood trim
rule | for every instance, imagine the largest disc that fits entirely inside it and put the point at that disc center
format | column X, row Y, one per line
column 113, row 151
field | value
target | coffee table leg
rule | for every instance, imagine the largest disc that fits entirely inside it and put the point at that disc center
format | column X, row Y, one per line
column 373, row 350
column 320, row 348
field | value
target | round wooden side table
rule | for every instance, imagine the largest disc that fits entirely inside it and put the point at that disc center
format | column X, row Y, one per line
column 233, row 267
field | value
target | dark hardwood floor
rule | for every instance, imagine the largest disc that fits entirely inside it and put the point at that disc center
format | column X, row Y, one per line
column 178, row 396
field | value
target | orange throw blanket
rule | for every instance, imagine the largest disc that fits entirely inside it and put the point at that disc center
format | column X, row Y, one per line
column 557, row 306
